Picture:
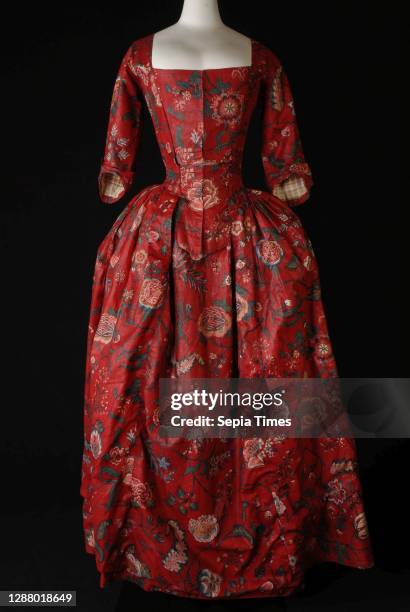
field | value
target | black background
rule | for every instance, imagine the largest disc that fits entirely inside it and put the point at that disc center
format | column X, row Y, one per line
column 345, row 64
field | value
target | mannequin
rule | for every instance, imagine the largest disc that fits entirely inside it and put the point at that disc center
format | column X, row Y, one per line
column 199, row 40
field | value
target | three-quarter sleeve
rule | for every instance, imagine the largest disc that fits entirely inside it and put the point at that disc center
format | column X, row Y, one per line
column 123, row 134
column 287, row 174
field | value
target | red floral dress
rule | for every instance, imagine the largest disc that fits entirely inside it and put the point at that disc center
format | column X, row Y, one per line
column 203, row 277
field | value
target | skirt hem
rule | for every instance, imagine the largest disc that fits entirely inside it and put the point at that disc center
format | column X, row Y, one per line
column 108, row 578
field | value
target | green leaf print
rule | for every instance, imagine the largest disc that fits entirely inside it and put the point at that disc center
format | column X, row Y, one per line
column 191, row 469
column 240, row 531
column 102, row 528
column 342, row 553
column 293, row 263
column 220, row 87
column 133, row 391
column 110, row 472
column 179, row 136
column 112, row 495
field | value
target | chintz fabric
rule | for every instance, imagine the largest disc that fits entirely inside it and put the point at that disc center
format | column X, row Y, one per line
column 201, row 276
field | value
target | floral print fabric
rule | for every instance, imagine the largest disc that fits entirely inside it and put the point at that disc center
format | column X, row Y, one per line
column 201, row 277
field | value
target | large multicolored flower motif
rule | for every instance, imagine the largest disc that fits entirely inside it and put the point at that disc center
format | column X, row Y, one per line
column 136, row 567
column 336, row 493
column 242, row 307
column 323, row 348
column 105, row 332
column 209, row 583
column 139, row 258
column 95, row 443
column 141, row 491
column 227, row 107
column 205, row 528
column 253, row 452
column 177, row 556
column 152, row 293
column 270, row 252
column 203, row 194
column 185, row 365
column 214, row 321
column 360, row 525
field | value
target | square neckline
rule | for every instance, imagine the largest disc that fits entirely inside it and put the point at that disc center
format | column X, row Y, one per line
column 201, row 70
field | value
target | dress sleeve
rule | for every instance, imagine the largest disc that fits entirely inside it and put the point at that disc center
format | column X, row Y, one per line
column 287, row 173
column 123, row 134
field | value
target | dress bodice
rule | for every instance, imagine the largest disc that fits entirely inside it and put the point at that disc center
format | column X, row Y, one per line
column 201, row 119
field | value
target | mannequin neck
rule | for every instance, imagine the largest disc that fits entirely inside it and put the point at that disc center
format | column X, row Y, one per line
column 201, row 14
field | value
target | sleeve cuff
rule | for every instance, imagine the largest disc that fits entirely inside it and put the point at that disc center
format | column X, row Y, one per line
column 113, row 183
column 294, row 188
